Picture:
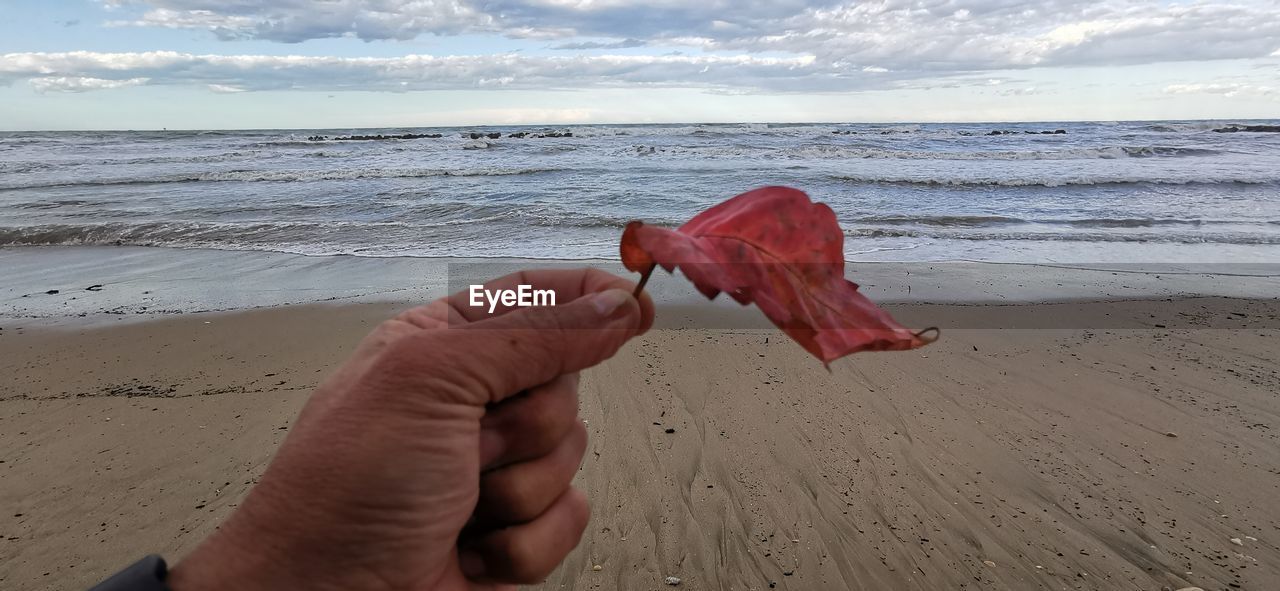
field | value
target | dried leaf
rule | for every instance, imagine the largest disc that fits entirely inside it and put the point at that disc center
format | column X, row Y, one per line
column 777, row 249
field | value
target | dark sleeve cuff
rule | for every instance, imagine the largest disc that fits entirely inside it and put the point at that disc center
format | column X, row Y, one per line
column 147, row 574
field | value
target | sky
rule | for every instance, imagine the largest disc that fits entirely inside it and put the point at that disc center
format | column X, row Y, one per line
column 252, row 64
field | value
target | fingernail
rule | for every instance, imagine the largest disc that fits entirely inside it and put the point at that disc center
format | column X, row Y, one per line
column 471, row 564
column 608, row 301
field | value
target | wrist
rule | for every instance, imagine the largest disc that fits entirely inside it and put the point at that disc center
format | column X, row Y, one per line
column 245, row 553
column 221, row 562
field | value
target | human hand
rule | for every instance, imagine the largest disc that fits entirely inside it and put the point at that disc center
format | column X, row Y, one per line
column 439, row 456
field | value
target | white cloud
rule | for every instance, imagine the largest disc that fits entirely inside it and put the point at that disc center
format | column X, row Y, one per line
column 933, row 35
column 1028, row 91
column 585, row 45
column 80, row 83
column 832, row 45
column 82, row 70
column 226, row 88
column 525, row 116
column 1228, row 89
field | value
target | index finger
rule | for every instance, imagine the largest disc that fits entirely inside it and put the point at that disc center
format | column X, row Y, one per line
column 567, row 284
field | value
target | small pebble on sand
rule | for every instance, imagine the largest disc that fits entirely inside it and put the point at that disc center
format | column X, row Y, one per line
column 597, row 568
column 673, row 581
column 1237, row 541
column 989, row 563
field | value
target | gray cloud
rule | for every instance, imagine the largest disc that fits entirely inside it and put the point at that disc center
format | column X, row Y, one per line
column 583, row 45
column 81, row 83
column 81, row 70
column 1227, row 89
column 926, row 35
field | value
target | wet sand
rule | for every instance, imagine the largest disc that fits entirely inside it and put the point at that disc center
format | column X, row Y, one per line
column 1113, row 445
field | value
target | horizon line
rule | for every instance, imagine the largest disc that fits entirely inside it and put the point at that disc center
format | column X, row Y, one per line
column 614, row 124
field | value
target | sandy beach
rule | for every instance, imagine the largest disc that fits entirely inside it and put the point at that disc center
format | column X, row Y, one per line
column 1104, row 443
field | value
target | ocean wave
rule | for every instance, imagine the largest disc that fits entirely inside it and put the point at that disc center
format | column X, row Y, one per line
column 199, row 159
column 282, row 176
column 1185, row 127
column 1032, row 181
column 25, row 167
column 453, row 212
column 60, row 203
column 36, row 166
column 968, row 221
column 365, row 236
column 700, row 130
column 253, row 235
column 1246, row 238
column 841, row 152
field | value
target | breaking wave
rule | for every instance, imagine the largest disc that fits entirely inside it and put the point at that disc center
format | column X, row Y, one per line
column 828, row 151
column 1033, row 181
column 1248, row 238
column 286, row 176
column 965, row 221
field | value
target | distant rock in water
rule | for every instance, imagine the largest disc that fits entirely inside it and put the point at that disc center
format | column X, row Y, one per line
column 375, row 138
column 1249, row 129
column 1028, row 132
column 532, row 135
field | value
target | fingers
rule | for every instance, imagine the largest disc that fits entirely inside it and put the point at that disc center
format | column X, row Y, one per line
column 527, row 553
column 568, row 285
column 535, row 345
column 529, row 425
column 488, row 361
column 521, row 492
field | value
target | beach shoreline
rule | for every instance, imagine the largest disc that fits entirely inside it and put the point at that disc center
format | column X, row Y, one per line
column 102, row 285
column 1083, row 444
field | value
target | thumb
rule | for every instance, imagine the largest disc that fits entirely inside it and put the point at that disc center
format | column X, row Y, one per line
column 499, row 357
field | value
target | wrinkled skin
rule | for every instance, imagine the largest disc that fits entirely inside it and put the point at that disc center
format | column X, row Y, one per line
column 439, row 456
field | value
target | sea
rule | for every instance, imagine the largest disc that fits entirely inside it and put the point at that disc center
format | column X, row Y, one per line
column 1150, row 191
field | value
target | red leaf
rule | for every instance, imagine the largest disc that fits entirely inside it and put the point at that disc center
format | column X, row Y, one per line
column 774, row 247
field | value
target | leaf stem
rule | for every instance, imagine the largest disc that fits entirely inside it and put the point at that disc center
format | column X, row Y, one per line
column 643, row 280
column 929, row 335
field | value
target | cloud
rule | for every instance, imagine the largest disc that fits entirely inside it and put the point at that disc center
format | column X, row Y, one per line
column 83, row 70
column 1229, row 89
column 1028, row 91
column 80, row 83
column 226, row 89
column 294, row 21
column 624, row 44
column 524, row 116
column 933, row 35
